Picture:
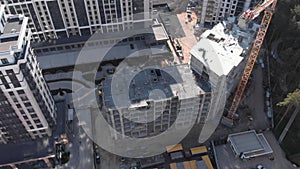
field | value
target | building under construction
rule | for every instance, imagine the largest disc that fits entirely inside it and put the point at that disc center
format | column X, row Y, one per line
column 219, row 58
column 198, row 91
column 155, row 100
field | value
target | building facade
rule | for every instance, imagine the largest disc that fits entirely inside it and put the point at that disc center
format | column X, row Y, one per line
column 27, row 107
column 65, row 18
column 148, row 112
column 211, row 12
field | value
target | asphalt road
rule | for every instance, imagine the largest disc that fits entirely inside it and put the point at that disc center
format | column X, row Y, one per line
column 81, row 149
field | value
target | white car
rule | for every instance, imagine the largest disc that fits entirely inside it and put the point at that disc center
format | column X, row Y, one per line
column 259, row 166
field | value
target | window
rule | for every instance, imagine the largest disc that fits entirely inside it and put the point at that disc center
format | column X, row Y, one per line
column 15, row 100
column 37, row 121
column 4, row 61
column 13, row 78
column 21, row 92
column 22, row 112
column 24, row 98
column 27, row 104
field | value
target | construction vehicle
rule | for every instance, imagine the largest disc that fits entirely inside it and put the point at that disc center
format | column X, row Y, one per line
column 268, row 6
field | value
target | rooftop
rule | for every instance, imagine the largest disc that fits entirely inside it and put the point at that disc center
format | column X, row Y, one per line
column 218, row 51
column 10, row 34
column 99, row 53
column 199, row 164
column 96, row 36
column 6, row 46
column 159, row 32
column 250, row 144
column 221, row 48
column 13, row 25
column 225, row 157
column 156, row 31
column 149, row 84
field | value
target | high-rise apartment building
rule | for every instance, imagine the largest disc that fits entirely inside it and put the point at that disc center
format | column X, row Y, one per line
column 65, row 18
column 213, row 11
column 27, row 109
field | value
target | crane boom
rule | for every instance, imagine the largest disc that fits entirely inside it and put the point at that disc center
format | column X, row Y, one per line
column 268, row 13
column 252, row 14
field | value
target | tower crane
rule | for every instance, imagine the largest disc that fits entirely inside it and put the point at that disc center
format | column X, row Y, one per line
column 268, row 6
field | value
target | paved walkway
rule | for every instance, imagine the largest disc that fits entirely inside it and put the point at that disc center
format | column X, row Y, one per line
column 189, row 40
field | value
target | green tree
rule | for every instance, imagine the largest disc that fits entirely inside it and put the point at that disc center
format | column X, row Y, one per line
column 292, row 98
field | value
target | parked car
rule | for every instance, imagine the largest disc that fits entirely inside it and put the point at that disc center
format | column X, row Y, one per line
column 259, row 166
column 97, row 156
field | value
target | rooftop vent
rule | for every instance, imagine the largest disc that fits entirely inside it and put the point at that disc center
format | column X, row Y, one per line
column 212, row 37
